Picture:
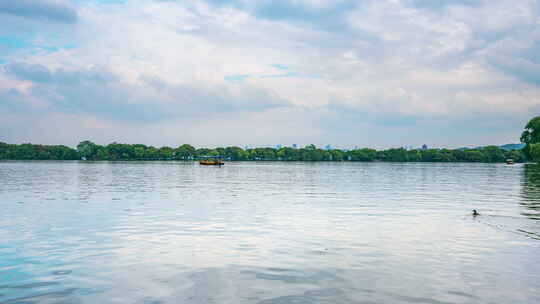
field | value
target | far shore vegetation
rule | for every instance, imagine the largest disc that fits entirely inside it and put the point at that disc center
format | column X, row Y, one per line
column 88, row 150
column 116, row 151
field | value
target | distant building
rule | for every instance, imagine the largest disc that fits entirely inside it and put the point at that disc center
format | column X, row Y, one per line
column 278, row 146
column 424, row 147
column 295, row 146
column 328, row 148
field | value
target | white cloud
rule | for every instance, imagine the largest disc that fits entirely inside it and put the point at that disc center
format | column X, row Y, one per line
column 392, row 61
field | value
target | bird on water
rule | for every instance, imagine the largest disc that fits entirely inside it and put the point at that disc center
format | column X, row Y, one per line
column 475, row 213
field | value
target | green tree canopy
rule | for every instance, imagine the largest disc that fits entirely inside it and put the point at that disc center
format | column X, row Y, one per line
column 535, row 152
column 185, row 152
column 531, row 135
column 87, row 149
column 123, row 152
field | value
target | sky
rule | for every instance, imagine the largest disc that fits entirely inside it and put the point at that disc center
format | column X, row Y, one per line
column 366, row 73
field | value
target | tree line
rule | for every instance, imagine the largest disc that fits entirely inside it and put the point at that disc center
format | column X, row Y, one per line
column 531, row 138
column 117, row 151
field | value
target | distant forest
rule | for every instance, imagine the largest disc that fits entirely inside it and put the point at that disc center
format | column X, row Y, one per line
column 115, row 151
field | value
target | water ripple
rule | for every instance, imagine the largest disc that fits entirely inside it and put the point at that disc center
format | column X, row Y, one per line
column 173, row 232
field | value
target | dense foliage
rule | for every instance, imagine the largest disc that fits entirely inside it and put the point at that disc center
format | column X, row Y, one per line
column 38, row 152
column 531, row 136
column 534, row 152
column 115, row 151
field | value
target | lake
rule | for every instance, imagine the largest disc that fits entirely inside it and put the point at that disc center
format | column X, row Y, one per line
column 269, row 232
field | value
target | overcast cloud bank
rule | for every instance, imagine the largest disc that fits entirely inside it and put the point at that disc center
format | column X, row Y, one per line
column 372, row 73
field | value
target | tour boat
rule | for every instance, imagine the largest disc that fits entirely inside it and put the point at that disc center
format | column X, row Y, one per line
column 510, row 161
column 208, row 162
column 211, row 161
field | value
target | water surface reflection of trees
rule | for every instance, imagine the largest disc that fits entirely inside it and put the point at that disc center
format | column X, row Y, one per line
column 531, row 191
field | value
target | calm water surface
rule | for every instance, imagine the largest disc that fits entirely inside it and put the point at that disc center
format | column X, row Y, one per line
column 173, row 232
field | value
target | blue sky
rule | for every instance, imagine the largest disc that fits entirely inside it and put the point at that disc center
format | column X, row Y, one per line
column 375, row 73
